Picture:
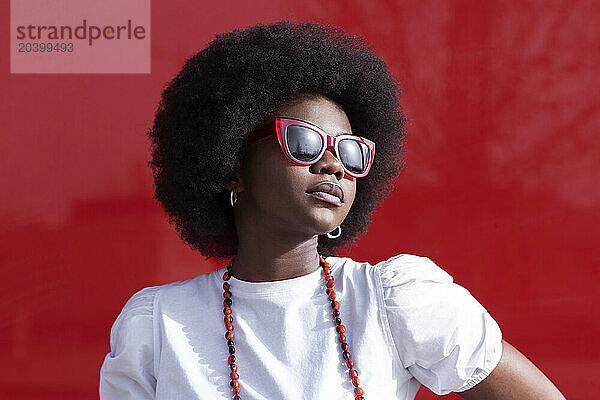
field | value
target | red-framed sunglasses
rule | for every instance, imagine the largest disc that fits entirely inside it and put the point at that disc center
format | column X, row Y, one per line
column 304, row 144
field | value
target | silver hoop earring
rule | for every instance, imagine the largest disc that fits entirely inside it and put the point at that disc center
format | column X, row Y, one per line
column 330, row 236
column 233, row 198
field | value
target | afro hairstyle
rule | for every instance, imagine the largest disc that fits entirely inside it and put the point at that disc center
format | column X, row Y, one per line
column 233, row 86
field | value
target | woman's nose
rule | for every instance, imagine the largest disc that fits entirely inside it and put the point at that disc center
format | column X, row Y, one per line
column 328, row 164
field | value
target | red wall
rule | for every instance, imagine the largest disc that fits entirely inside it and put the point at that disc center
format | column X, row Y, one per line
column 501, row 188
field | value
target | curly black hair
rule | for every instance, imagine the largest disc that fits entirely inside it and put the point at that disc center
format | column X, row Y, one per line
column 235, row 85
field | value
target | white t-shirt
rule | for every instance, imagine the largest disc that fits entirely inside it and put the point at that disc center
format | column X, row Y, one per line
column 407, row 324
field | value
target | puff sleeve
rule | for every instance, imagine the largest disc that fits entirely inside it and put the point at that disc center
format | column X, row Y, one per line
column 445, row 338
column 128, row 369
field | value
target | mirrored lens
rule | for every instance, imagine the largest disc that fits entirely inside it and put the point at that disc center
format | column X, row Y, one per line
column 354, row 155
column 303, row 143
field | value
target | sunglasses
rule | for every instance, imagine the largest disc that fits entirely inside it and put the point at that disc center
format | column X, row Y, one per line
column 304, row 144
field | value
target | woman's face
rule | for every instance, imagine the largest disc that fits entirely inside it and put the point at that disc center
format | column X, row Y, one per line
column 274, row 191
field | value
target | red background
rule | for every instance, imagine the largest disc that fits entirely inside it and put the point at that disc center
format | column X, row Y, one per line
column 501, row 188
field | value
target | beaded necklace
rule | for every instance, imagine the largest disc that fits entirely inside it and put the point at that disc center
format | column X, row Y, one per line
column 341, row 329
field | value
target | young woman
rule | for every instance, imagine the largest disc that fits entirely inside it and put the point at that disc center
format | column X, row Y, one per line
column 271, row 149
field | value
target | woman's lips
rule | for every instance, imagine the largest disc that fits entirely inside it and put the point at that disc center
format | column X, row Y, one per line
column 329, row 198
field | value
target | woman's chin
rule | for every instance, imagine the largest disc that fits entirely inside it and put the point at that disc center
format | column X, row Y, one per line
column 325, row 224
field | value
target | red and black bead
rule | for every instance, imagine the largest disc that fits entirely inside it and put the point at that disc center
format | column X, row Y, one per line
column 350, row 363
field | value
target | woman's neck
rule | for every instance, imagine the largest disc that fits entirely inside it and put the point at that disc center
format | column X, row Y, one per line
column 261, row 258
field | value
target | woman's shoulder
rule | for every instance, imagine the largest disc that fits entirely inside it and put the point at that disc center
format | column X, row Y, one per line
column 406, row 269
column 144, row 301
column 398, row 270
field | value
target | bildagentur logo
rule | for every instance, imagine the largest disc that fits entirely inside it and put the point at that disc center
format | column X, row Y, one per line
column 80, row 36
column 86, row 32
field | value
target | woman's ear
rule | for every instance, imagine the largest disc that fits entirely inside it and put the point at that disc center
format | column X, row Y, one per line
column 234, row 181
